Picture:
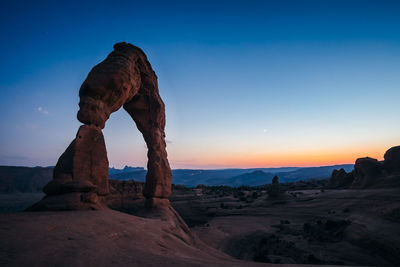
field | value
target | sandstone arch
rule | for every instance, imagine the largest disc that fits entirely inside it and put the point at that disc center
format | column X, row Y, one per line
column 80, row 180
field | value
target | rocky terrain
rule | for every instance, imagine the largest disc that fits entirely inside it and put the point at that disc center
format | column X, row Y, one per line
column 103, row 238
column 344, row 227
column 306, row 222
column 355, row 227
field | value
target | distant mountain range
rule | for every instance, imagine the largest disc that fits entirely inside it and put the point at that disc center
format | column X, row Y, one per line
column 238, row 177
column 112, row 170
column 27, row 179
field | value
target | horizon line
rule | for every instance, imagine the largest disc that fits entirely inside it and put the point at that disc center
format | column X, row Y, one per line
column 195, row 168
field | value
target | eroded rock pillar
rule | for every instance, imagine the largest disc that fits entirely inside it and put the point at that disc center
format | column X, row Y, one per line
column 80, row 179
column 148, row 112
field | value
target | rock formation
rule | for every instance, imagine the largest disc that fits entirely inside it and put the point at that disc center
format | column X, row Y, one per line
column 80, row 180
column 341, row 179
column 274, row 189
column 392, row 160
column 366, row 172
column 369, row 172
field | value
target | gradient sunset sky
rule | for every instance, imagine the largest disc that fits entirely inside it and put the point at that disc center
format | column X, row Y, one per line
column 245, row 83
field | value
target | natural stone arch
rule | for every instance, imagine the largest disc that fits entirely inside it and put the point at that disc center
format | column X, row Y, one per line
column 124, row 79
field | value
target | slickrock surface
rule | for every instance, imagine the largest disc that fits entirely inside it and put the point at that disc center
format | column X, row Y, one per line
column 102, row 238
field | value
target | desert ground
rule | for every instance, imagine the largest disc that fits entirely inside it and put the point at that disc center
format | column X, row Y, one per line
column 343, row 227
column 305, row 225
column 228, row 227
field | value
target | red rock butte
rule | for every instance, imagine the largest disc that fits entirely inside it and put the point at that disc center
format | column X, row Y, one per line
column 80, row 180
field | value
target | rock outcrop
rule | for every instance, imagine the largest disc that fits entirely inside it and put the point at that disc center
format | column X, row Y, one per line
column 80, row 180
column 341, row 179
column 392, row 160
column 274, row 189
column 369, row 172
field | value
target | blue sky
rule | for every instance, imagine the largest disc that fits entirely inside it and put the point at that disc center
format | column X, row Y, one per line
column 245, row 83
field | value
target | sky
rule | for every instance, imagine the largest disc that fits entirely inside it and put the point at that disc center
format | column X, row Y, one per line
column 245, row 83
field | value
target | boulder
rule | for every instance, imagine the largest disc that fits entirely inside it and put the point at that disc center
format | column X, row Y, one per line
column 340, row 179
column 367, row 172
column 392, row 160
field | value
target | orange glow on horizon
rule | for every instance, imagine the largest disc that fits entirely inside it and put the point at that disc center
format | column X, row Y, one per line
column 282, row 159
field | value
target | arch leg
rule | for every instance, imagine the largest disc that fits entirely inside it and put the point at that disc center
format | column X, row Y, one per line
column 148, row 112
